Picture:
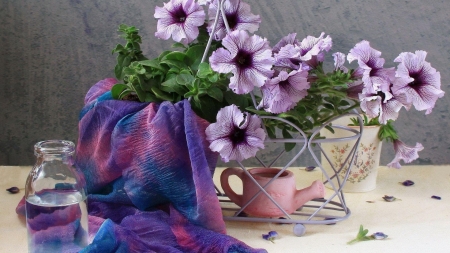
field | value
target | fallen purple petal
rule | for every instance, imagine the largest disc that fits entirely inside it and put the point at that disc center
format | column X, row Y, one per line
column 13, row 190
column 310, row 168
column 389, row 198
column 270, row 236
column 407, row 183
column 379, row 236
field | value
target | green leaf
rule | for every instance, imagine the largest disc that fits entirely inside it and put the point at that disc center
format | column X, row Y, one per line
column 118, row 72
column 163, row 54
column 117, row 89
column 288, row 146
column 194, row 56
column 328, row 106
column 258, row 112
column 213, row 78
column 174, row 63
column 178, row 45
column 344, row 103
column 171, row 85
column 174, row 56
column 154, row 63
column 184, row 79
column 204, row 70
column 271, row 131
column 215, row 93
column 118, row 49
column 126, row 61
column 161, row 94
column 330, row 128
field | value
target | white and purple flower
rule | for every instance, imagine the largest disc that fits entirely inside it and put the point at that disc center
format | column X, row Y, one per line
column 281, row 93
column 405, row 153
column 239, row 17
column 311, row 49
column 339, row 60
column 381, row 103
column 370, row 65
column 249, row 59
column 235, row 135
column 420, row 82
column 179, row 19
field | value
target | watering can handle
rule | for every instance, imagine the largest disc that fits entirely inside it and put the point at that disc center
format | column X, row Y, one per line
column 225, row 183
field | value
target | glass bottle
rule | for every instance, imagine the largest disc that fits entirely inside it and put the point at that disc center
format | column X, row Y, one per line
column 56, row 206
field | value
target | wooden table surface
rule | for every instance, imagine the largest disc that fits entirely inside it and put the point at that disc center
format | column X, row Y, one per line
column 417, row 223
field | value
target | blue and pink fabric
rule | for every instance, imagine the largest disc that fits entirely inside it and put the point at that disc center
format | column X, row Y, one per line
column 149, row 171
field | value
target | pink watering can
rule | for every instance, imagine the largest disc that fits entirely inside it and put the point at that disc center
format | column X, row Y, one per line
column 282, row 190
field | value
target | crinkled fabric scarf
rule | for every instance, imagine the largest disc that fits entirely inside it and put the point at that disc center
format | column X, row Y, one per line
column 149, row 173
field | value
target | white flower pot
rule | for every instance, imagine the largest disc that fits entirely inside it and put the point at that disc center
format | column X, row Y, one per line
column 364, row 170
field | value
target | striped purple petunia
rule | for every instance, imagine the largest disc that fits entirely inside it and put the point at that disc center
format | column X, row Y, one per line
column 282, row 93
column 238, row 14
column 405, row 153
column 418, row 81
column 248, row 58
column 380, row 103
column 179, row 19
column 235, row 135
column 370, row 65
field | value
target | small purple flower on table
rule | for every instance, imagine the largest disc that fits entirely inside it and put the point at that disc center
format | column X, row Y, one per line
column 420, row 82
column 282, row 93
column 238, row 14
column 235, row 135
column 379, row 236
column 270, row 236
column 249, row 59
column 405, row 153
column 407, row 183
column 179, row 19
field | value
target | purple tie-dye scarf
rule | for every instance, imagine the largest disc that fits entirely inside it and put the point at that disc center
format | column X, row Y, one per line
column 149, row 175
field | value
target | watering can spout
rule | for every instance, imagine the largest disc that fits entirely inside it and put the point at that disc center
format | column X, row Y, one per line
column 314, row 191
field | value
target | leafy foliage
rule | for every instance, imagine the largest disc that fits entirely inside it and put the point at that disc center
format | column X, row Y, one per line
column 176, row 75
column 172, row 76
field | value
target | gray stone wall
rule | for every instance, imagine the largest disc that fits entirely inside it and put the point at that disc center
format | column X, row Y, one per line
column 52, row 51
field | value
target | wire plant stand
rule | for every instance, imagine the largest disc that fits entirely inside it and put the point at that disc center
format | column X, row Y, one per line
column 328, row 210
column 317, row 211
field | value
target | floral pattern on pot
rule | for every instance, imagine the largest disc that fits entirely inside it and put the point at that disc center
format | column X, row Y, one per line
column 365, row 160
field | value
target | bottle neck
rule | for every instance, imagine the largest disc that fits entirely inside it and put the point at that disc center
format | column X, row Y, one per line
column 55, row 150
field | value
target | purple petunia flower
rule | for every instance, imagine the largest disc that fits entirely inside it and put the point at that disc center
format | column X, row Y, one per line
column 339, row 60
column 288, row 58
column 286, row 40
column 239, row 17
column 420, row 82
column 370, row 65
column 405, row 153
column 381, row 103
column 354, row 89
column 179, row 19
column 280, row 94
column 235, row 135
column 311, row 49
column 248, row 58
